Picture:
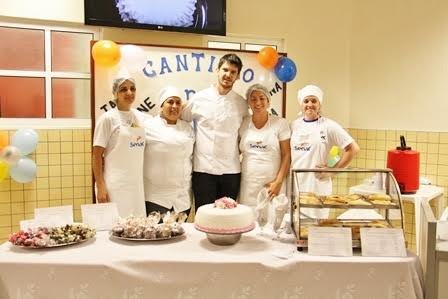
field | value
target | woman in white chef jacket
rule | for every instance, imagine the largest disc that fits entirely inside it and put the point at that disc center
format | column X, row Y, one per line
column 312, row 137
column 118, row 148
column 265, row 149
column 168, row 157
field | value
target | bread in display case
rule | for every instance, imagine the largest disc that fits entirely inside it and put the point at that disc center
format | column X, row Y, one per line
column 328, row 202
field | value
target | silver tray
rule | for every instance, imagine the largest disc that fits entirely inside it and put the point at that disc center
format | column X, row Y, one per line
column 146, row 240
column 52, row 246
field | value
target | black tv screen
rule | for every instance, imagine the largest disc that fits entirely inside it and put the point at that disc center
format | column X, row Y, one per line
column 194, row 16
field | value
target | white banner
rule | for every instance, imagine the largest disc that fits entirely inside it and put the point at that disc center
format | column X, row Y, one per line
column 189, row 69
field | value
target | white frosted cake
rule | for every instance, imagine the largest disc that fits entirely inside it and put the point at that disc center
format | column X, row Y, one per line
column 225, row 216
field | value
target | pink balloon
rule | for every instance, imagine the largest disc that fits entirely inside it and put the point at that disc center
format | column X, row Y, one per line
column 11, row 155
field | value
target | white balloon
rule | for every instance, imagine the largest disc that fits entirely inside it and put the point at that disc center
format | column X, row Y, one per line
column 24, row 171
column 25, row 140
column 133, row 58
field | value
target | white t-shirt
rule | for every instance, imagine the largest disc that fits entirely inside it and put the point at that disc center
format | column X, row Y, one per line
column 217, row 119
column 310, row 145
column 168, row 163
column 108, row 124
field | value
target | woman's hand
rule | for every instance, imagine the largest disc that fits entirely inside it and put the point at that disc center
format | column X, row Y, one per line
column 323, row 176
column 273, row 188
column 102, row 196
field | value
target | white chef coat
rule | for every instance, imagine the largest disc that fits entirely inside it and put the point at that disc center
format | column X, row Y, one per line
column 217, row 119
column 123, row 137
column 310, row 144
column 261, row 155
column 168, row 163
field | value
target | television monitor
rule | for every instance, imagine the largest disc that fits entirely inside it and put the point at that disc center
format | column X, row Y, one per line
column 194, row 16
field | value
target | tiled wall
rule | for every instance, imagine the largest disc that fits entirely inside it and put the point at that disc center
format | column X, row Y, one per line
column 63, row 159
column 433, row 148
column 64, row 177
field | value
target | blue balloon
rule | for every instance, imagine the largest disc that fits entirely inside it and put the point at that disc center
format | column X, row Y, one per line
column 285, row 69
column 24, row 171
column 25, row 140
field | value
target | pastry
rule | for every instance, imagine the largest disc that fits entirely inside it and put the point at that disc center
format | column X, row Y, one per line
column 379, row 196
column 359, row 202
column 352, row 197
column 335, row 200
column 330, row 223
column 309, row 200
column 378, row 224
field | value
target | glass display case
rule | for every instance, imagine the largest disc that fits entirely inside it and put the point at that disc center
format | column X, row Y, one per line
column 321, row 197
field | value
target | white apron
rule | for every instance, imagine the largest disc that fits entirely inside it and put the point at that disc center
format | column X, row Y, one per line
column 123, row 172
column 261, row 161
column 309, row 149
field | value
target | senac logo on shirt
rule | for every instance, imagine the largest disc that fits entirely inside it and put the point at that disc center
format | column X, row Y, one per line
column 303, row 147
column 137, row 141
column 258, row 146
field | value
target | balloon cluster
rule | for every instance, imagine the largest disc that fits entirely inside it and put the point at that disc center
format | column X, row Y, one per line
column 13, row 158
column 284, row 68
column 106, row 53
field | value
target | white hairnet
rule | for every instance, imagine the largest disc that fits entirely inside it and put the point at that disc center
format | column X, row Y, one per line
column 168, row 92
column 258, row 87
column 310, row 90
column 120, row 80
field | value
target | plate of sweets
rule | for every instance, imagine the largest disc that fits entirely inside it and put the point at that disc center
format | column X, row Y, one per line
column 149, row 228
column 49, row 237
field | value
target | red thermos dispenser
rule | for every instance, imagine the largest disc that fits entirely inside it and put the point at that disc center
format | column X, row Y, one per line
column 405, row 165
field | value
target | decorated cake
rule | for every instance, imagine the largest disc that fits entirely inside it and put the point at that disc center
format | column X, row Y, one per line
column 224, row 216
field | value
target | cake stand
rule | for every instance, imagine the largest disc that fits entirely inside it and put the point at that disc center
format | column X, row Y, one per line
column 225, row 237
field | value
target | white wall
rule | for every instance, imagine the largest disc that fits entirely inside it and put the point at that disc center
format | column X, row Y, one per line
column 399, row 65
column 56, row 10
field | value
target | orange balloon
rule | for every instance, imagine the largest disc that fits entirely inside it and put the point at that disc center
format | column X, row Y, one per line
column 3, row 139
column 106, row 53
column 267, row 57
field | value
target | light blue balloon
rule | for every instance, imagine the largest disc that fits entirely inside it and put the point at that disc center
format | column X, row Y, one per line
column 24, row 171
column 25, row 140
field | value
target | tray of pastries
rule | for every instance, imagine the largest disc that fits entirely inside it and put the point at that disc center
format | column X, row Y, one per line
column 49, row 237
column 358, row 201
column 148, row 228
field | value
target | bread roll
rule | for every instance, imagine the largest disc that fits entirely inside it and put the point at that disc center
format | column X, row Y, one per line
column 379, row 196
column 309, row 200
column 359, row 202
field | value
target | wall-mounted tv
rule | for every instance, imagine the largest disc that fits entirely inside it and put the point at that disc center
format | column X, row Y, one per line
column 194, row 16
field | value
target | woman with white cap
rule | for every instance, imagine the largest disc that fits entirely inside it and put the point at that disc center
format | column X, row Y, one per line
column 312, row 138
column 118, row 147
column 168, row 157
column 265, row 149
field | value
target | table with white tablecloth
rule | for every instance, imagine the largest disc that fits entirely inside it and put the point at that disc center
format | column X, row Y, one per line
column 192, row 267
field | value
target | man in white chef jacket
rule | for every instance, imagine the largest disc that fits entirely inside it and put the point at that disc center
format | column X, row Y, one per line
column 217, row 113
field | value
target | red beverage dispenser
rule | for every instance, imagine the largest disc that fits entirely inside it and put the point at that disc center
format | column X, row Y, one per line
column 405, row 165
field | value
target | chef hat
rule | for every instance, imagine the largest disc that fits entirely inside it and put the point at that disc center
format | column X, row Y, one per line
column 168, row 92
column 258, row 87
column 310, row 90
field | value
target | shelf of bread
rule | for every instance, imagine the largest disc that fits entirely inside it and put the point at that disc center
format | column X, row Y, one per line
column 350, row 201
column 342, row 208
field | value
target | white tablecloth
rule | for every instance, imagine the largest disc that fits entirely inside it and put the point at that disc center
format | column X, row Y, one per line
column 192, row 267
